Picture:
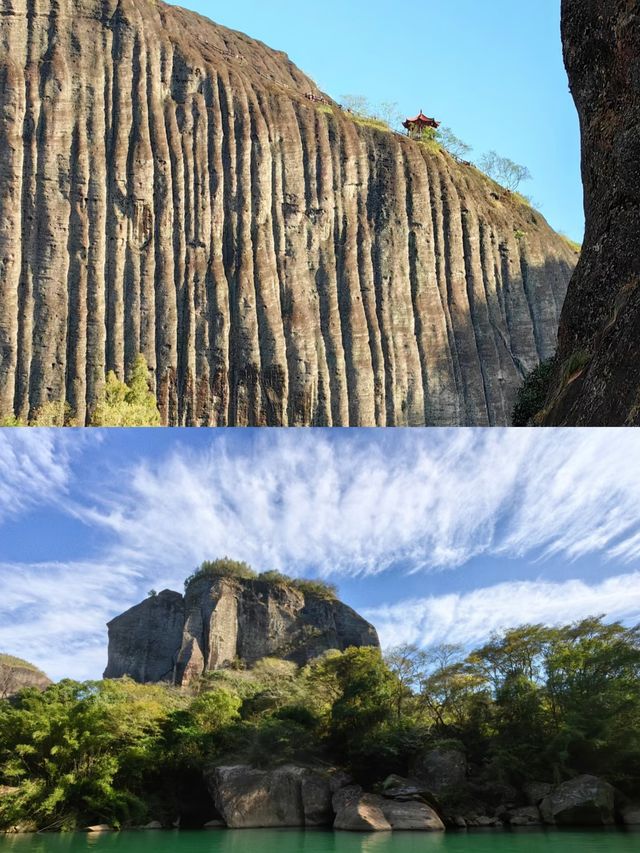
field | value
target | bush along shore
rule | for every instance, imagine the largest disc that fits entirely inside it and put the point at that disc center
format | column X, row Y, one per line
column 539, row 726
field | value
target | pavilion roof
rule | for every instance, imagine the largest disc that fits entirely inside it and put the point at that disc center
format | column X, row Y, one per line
column 421, row 118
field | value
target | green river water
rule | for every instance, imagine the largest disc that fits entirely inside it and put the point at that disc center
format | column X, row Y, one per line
column 295, row 841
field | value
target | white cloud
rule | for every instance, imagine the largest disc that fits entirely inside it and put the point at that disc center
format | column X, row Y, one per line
column 360, row 503
column 331, row 503
column 469, row 618
column 34, row 468
column 54, row 614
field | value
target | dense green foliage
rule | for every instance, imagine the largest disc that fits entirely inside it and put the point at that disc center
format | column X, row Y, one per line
column 535, row 703
column 127, row 404
column 120, row 404
column 532, row 393
column 225, row 567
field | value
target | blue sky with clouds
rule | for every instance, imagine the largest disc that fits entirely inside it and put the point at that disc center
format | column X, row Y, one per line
column 492, row 71
column 433, row 534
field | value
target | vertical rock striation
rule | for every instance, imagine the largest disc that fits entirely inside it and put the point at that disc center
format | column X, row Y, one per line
column 222, row 620
column 597, row 381
column 166, row 188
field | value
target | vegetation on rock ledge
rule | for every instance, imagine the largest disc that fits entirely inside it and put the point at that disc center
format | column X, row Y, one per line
column 228, row 568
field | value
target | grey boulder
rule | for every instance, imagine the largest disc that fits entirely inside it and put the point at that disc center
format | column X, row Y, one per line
column 583, row 801
column 247, row 797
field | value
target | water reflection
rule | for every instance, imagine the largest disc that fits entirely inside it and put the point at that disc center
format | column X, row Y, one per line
column 319, row 841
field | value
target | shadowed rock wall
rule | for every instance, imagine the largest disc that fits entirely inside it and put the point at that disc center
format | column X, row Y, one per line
column 597, row 381
column 166, row 188
column 220, row 621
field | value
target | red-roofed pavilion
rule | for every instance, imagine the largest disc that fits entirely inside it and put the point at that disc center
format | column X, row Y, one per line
column 416, row 126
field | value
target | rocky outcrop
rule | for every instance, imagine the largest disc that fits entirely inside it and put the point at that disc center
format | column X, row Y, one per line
column 17, row 674
column 441, row 769
column 357, row 811
column 597, row 379
column 630, row 814
column 143, row 642
column 524, row 816
column 291, row 795
column 220, row 620
column 583, row 801
column 167, row 188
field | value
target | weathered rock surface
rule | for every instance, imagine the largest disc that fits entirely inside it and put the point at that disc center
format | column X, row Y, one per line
column 287, row 796
column 16, row 674
column 411, row 816
column 535, row 792
column 358, row 811
column 173, row 638
column 143, row 642
column 166, row 188
column 630, row 814
column 441, row 769
column 525, row 816
column 583, row 801
column 597, row 380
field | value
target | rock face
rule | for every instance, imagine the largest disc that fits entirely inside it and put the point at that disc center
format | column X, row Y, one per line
column 441, row 769
column 357, row 811
column 525, row 816
column 17, row 674
column 143, row 641
column 167, row 188
column 219, row 620
column 597, row 380
column 287, row 796
column 583, row 801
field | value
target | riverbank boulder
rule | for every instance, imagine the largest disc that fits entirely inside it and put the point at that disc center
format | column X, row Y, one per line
column 247, row 797
column 630, row 814
column 583, row 801
column 358, row 811
column 524, row 816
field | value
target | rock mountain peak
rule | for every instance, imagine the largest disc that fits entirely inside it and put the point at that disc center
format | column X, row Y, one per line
column 224, row 620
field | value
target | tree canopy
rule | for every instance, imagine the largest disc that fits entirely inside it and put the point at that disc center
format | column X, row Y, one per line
column 533, row 703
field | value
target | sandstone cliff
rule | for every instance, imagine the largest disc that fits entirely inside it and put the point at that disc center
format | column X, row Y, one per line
column 166, row 188
column 17, row 674
column 220, row 620
column 597, row 381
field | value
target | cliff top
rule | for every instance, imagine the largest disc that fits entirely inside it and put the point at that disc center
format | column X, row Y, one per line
column 237, row 570
column 19, row 663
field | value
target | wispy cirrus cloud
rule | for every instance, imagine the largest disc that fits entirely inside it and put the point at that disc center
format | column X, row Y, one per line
column 54, row 614
column 338, row 504
column 362, row 504
column 469, row 618
column 35, row 467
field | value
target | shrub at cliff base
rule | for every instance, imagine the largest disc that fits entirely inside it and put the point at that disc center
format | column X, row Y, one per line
column 120, row 404
column 130, row 404
column 535, row 704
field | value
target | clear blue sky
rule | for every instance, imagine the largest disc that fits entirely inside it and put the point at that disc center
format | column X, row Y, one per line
column 490, row 70
column 434, row 535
